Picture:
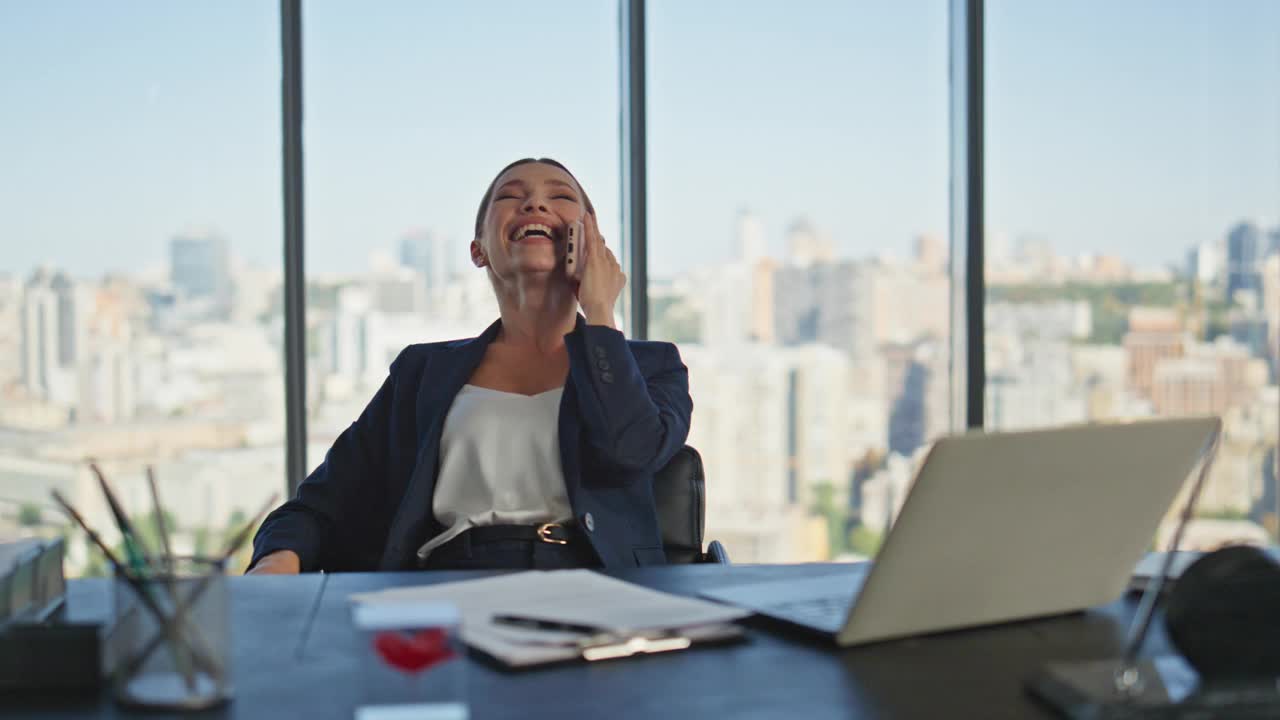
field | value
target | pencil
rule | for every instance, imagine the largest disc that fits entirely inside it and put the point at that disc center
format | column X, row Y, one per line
column 167, row 568
column 162, row 526
column 133, row 546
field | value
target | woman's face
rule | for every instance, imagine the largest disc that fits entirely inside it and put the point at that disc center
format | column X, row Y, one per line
column 525, row 226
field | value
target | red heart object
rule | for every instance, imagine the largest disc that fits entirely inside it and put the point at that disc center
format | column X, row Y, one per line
column 413, row 653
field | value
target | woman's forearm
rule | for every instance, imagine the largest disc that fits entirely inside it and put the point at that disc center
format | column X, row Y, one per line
column 280, row 562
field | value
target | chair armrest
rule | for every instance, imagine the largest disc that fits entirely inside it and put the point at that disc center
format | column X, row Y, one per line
column 716, row 553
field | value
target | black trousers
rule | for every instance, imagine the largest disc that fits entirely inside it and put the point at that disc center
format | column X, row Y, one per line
column 463, row 553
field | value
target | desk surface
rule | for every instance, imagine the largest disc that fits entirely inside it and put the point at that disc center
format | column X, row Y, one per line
column 777, row 674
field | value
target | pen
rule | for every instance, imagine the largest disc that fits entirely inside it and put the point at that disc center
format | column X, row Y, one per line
column 612, row 644
column 162, row 528
column 134, row 551
column 167, row 570
column 533, row 623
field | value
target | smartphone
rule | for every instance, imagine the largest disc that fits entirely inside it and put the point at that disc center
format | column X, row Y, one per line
column 573, row 250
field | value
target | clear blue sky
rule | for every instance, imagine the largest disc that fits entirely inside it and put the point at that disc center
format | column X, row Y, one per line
column 1130, row 127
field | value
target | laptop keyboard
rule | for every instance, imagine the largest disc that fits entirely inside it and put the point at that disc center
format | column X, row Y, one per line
column 821, row 602
column 824, row 613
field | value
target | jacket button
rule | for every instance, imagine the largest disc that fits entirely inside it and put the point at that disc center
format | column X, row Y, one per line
column 602, row 364
column 606, row 376
column 600, row 352
column 589, row 522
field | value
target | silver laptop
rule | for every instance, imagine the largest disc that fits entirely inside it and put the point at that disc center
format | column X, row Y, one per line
column 1000, row 527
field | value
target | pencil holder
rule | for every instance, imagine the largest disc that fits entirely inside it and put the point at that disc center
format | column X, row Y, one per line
column 171, row 647
column 412, row 661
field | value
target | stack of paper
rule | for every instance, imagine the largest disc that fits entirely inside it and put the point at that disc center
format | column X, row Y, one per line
column 577, row 596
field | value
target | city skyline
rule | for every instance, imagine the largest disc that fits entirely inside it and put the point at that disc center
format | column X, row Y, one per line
column 1000, row 248
column 798, row 232
column 834, row 368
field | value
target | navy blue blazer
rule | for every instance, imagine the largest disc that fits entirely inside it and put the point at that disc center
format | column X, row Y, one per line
column 624, row 413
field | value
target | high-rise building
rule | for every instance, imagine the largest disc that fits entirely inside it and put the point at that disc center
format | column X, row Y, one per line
column 1038, row 391
column 1188, row 386
column 430, row 254
column 349, row 333
column 916, row 382
column 397, row 290
column 763, row 291
column 737, row 296
column 1207, row 262
column 39, row 336
column 200, row 269
column 1031, row 381
column 111, row 392
column 1248, row 326
column 930, row 253
column 741, row 432
column 818, row 422
column 883, row 493
column 1271, row 308
column 859, row 305
column 826, row 303
column 771, row 423
column 10, row 330
column 728, row 315
column 1243, row 260
column 52, row 321
column 908, row 303
column 806, row 246
column 749, row 233
column 1146, row 350
column 109, row 388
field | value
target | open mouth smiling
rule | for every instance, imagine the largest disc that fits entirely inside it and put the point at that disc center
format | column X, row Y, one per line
column 533, row 231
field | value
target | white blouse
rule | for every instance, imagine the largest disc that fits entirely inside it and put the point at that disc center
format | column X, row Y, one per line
column 499, row 463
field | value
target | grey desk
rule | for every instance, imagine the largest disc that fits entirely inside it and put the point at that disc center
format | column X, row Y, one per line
column 777, row 674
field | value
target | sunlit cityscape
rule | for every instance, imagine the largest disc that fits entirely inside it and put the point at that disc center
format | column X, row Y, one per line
column 818, row 380
column 797, row 249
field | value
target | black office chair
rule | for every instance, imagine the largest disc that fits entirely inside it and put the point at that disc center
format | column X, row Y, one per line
column 679, row 489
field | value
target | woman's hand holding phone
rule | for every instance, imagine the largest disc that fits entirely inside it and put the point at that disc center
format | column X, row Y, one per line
column 600, row 277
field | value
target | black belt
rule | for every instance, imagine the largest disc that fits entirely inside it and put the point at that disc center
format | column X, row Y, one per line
column 553, row 533
column 564, row 541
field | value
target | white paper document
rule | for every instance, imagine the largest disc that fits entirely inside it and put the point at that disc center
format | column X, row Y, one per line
column 577, row 596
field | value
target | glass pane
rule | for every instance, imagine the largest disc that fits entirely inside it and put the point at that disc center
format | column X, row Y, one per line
column 797, row 253
column 1133, row 199
column 141, row 226
column 411, row 111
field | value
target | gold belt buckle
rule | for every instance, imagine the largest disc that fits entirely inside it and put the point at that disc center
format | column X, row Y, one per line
column 544, row 534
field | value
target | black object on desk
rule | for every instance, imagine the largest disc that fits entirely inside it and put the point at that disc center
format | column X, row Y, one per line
column 41, row 648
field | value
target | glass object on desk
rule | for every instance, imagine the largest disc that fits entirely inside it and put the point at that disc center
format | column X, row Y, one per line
column 412, row 661
column 170, row 648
